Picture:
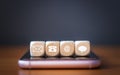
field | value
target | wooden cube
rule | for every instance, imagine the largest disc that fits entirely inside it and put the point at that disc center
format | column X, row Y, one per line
column 37, row 48
column 52, row 48
column 67, row 48
column 82, row 48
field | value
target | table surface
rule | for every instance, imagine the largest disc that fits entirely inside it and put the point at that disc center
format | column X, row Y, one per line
column 109, row 55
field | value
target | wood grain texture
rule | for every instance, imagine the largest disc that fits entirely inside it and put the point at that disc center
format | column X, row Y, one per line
column 9, row 56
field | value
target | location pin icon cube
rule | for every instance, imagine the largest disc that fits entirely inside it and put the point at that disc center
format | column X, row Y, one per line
column 37, row 48
column 82, row 48
column 52, row 48
column 67, row 48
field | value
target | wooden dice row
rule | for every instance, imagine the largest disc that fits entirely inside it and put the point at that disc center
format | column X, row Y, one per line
column 63, row 48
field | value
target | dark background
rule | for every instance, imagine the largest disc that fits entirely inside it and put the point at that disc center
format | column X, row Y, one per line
column 26, row 20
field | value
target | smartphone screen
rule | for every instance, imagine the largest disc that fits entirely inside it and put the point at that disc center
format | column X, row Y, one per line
column 90, row 61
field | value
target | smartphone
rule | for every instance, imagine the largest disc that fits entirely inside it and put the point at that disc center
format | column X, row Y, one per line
column 29, row 62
